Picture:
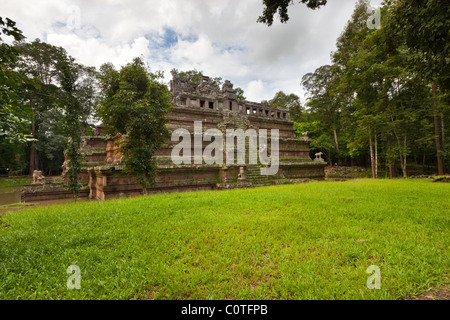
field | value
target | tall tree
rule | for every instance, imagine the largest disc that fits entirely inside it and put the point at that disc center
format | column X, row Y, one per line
column 72, row 119
column 424, row 24
column 50, row 67
column 14, row 115
column 323, row 99
column 385, row 106
column 39, row 62
column 86, row 94
column 134, row 104
column 359, row 85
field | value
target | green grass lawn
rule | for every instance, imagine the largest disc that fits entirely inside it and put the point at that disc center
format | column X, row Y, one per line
column 307, row 241
column 8, row 183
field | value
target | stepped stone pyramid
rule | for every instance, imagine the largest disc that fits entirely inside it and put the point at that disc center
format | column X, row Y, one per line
column 216, row 108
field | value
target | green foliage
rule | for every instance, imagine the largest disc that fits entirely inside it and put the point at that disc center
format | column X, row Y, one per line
column 8, row 28
column 51, row 139
column 284, row 101
column 428, row 46
column 271, row 7
column 429, row 43
column 445, row 155
column 239, row 93
column 327, row 97
column 63, row 97
column 14, row 118
column 72, row 121
column 314, row 129
column 289, row 102
column 134, row 104
column 194, row 76
column 13, row 125
column 38, row 62
column 374, row 101
column 321, row 140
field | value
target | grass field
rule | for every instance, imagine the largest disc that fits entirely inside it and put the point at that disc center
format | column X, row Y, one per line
column 7, row 183
column 307, row 241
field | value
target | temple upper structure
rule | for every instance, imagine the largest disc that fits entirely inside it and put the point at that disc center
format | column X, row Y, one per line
column 208, row 95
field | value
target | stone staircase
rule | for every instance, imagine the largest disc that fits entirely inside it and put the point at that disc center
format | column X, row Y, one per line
column 254, row 176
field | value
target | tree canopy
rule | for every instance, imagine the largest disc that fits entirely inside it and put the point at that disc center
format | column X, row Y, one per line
column 134, row 105
column 272, row 7
column 385, row 90
column 46, row 101
column 289, row 102
column 13, row 118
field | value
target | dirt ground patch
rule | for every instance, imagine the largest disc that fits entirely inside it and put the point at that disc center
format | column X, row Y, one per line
column 442, row 293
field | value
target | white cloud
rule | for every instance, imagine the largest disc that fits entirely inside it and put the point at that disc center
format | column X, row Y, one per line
column 96, row 52
column 221, row 38
column 255, row 89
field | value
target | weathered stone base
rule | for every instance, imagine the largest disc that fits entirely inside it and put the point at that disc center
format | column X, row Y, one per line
column 109, row 182
column 38, row 192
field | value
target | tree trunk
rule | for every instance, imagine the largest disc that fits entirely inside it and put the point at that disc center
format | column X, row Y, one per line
column 436, row 131
column 405, row 174
column 376, row 155
column 34, row 159
column 403, row 163
column 442, row 129
column 402, row 153
column 337, row 145
column 390, row 162
column 423, row 162
column 393, row 171
column 372, row 156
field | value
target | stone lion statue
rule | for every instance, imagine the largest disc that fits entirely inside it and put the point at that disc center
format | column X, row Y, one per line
column 241, row 175
column 38, row 177
column 319, row 157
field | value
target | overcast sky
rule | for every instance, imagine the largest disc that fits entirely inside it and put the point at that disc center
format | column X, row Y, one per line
column 219, row 37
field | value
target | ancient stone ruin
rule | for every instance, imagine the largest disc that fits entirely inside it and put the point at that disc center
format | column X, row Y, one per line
column 216, row 108
column 38, row 177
